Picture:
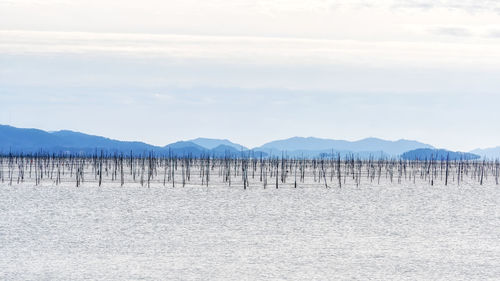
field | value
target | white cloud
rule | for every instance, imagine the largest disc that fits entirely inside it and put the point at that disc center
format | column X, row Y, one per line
column 452, row 31
column 468, row 5
column 258, row 50
column 323, row 19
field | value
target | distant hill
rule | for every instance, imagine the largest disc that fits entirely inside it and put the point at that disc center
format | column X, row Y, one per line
column 437, row 154
column 185, row 148
column 366, row 146
column 213, row 143
column 20, row 140
column 33, row 140
column 490, row 153
column 225, row 149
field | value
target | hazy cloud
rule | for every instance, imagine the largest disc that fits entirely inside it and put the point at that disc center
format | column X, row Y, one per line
column 467, row 5
column 452, row 31
column 494, row 34
column 256, row 50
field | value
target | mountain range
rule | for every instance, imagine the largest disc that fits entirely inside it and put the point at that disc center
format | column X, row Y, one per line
column 368, row 146
column 438, row 154
column 19, row 140
column 213, row 143
column 490, row 153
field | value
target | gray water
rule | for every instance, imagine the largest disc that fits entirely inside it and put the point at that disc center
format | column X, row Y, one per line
column 223, row 233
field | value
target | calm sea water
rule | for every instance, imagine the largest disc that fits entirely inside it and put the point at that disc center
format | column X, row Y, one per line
column 221, row 233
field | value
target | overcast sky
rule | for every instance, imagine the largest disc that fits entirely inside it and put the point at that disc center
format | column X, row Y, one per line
column 254, row 70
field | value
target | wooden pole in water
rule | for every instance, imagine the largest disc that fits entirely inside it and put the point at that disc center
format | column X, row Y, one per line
column 497, row 170
column 277, row 172
column 446, row 174
column 122, row 180
column 482, row 173
column 100, row 169
column 295, row 172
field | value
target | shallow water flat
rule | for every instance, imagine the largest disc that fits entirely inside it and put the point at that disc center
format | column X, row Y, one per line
column 403, row 232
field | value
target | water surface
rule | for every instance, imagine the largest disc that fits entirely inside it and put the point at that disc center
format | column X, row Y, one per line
column 222, row 233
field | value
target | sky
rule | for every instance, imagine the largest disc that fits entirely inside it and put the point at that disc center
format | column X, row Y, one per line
column 254, row 71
